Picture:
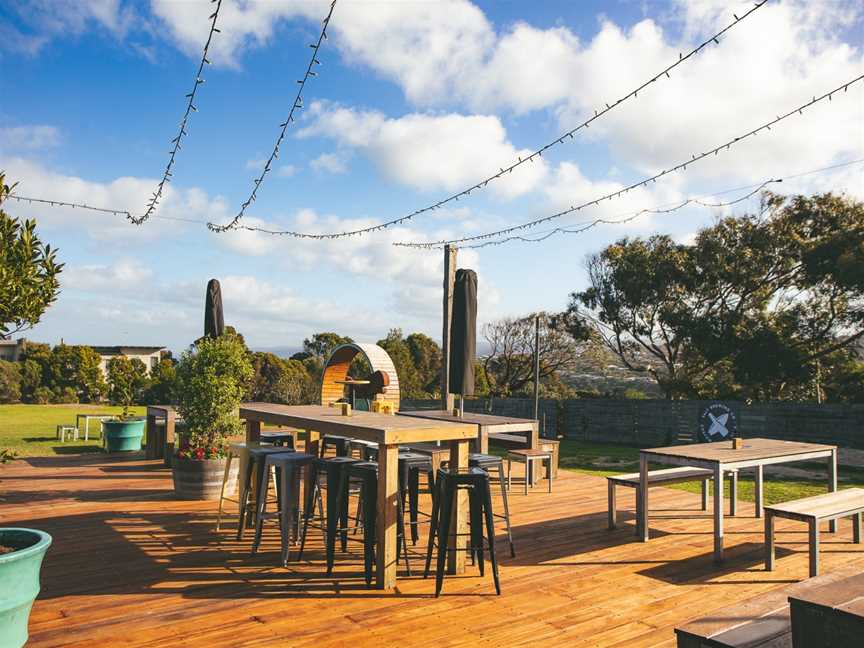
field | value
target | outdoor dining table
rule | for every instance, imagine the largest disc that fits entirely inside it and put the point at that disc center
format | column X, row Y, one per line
column 157, row 443
column 486, row 424
column 720, row 456
column 388, row 432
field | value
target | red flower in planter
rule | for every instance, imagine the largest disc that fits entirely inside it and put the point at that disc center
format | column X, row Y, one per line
column 199, row 453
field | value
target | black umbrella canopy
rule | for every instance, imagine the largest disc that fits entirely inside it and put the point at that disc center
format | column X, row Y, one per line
column 214, row 323
column 463, row 333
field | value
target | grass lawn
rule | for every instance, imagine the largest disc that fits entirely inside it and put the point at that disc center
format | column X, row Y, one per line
column 31, row 430
column 602, row 460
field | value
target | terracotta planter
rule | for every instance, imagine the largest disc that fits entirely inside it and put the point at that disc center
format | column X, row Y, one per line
column 202, row 480
column 19, row 581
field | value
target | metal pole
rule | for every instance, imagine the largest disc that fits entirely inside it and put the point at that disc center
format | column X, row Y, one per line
column 536, row 366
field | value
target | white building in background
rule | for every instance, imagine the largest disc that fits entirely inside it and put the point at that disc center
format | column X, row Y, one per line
column 11, row 350
column 149, row 355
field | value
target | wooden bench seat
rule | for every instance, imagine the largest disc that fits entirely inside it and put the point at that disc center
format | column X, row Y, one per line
column 510, row 440
column 667, row 476
column 762, row 621
column 831, row 615
column 814, row 510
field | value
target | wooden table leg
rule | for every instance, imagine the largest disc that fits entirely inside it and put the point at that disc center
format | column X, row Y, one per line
column 150, row 448
column 458, row 524
column 169, row 438
column 386, row 560
column 483, row 440
column 758, row 492
column 769, row 542
column 642, row 494
column 718, row 513
column 832, row 485
column 253, row 431
column 534, row 438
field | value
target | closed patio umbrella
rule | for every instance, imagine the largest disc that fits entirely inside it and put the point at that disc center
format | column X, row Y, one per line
column 463, row 333
column 214, row 324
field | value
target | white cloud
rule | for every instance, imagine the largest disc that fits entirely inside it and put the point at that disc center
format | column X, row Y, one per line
column 123, row 193
column 49, row 19
column 330, row 163
column 428, row 151
column 28, row 138
column 287, row 171
column 126, row 276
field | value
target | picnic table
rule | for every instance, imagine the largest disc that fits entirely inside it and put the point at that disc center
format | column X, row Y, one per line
column 87, row 417
column 486, row 424
column 719, row 457
column 388, row 432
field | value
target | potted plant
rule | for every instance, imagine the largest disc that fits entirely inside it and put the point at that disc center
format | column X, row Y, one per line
column 212, row 379
column 21, row 553
column 124, row 433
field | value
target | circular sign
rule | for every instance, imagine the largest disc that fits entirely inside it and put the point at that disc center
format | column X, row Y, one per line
column 717, row 423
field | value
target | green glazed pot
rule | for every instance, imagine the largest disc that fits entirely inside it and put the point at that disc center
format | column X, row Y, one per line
column 19, row 575
column 124, row 436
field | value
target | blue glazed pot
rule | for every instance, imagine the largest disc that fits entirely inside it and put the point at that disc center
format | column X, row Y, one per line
column 19, row 575
column 124, row 436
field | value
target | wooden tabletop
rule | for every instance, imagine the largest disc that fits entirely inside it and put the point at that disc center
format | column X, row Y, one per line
column 369, row 426
column 753, row 449
column 160, row 408
column 352, row 381
column 489, row 420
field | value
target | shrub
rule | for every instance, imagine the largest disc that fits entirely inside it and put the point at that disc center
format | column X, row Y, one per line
column 212, row 379
column 64, row 395
column 10, row 382
column 42, row 395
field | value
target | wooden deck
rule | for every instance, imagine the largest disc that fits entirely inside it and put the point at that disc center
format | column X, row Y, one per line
column 132, row 566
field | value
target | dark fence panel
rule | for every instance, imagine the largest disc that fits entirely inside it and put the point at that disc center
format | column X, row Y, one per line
column 647, row 423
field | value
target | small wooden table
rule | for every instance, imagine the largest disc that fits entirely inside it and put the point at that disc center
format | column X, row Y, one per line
column 486, row 424
column 351, row 383
column 157, row 444
column 388, row 432
column 720, row 457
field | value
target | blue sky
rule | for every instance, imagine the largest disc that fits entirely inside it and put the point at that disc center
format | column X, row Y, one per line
column 415, row 100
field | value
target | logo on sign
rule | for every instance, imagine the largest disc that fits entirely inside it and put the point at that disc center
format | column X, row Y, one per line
column 717, row 423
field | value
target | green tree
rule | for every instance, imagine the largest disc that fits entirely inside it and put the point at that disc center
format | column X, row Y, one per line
column 277, row 380
column 77, row 367
column 409, row 382
column 163, row 383
column 28, row 272
column 426, row 357
column 747, row 311
column 127, row 379
column 10, row 382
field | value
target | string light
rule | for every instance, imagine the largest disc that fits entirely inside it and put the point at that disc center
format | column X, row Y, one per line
column 190, row 108
column 564, row 230
column 715, row 39
column 582, row 227
column 298, row 104
column 615, row 194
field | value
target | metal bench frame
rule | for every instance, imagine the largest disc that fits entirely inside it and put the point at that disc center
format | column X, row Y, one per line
column 667, row 476
column 813, row 520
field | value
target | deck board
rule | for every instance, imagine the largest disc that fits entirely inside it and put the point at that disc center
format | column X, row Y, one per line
column 132, row 566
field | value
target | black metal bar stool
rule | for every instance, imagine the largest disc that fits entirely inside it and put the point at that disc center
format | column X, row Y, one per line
column 288, row 466
column 476, row 481
column 366, row 472
column 255, row 462
column 281, row 439
column 339, row 443
column 489, row 463
column 359, row 446
column 337, row 484
column 411, row 465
